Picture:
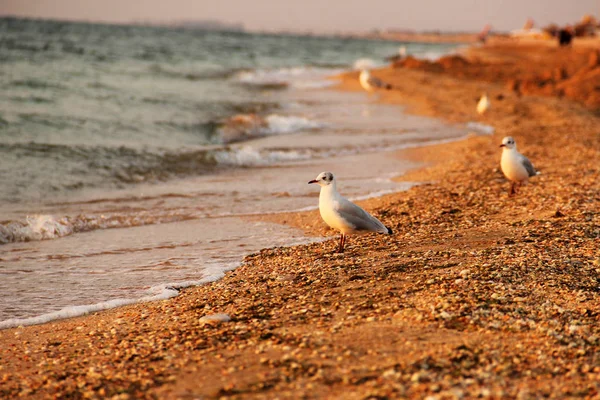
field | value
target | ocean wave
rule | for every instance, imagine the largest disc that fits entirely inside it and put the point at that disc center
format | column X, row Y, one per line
column 281, row 78
column 481, row 128
column 243, row 127
column 364, row 63
column 100, row 167
column 97, row 166
column 193, row 74
column 159, row 292
column 33, row 83
column 249, row 156
column 31, row 99
column 46, row 227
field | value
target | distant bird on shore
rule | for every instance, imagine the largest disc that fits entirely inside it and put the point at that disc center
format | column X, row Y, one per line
column 516, row 167
column 397, row 57
column 370, row 83
column 484, row 104
column 341, row 214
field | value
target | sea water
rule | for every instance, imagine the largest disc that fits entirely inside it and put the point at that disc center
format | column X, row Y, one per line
column 130, row 156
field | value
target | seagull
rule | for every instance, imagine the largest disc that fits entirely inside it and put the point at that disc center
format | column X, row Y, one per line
column 484, row 104
column 397, row 57
column 341, row 214
column 516, row 167
column 370, row 83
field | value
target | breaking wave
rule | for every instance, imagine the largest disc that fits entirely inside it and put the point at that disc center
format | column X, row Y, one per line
column 159, row 292
column 45, row 227
column 243, row 127
column 281, row 78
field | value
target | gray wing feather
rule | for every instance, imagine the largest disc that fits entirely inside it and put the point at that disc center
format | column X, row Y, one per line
column 375, row 82
column 379, row 83
column 359, row 218
column 528, row 166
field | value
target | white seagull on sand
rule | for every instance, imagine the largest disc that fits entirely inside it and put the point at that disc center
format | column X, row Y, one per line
column 370, row 83
column 484, row 104
column 516, row 167
column 341, row 214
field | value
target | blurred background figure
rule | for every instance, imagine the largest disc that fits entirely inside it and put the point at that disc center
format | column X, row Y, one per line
column 397, row 57
column 484, row 104
column 529, row 24
column 483, row 35
column 528, row 31
column 370, row 83
column 588, row 26
column 565, row 36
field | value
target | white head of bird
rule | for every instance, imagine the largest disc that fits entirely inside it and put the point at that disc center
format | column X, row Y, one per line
column 324, row 179
column 508, row 143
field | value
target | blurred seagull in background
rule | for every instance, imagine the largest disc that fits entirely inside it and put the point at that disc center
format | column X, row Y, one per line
column 370, row 83
column 484, row 104
column 341, row 214
column 516, row 167
column 397, row 57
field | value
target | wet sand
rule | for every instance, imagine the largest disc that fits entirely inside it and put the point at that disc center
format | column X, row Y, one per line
column 478, row 294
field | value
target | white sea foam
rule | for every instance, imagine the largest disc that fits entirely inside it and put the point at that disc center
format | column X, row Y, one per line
column 160, row 292
column 248, row 156
column 478, row 127
column 45, row 227
column 243, row 127
column 35, row 227
column 297, row 77
column 364, row 63
column 281, row 124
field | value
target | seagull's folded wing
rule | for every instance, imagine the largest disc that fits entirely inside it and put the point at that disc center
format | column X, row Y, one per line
column 379, row 83
column 358, row 218
column 528, row 166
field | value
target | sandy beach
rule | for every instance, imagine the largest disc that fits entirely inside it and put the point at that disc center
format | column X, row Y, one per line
column 477, row 294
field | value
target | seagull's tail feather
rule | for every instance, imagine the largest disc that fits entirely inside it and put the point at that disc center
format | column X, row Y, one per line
column 389, row 231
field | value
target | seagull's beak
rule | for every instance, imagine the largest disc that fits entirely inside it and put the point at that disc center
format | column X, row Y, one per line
column 313, row 181
column 502, row 145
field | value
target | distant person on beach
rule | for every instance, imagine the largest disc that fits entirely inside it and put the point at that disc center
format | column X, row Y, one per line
column 483, row 35
column 565, row 36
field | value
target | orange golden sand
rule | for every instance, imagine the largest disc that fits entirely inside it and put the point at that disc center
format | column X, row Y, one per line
column 477, row 295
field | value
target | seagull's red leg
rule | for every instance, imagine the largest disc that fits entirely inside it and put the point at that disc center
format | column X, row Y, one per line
column 341, row 247
column 512, row 189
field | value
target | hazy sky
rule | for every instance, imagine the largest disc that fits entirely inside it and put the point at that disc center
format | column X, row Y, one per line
column 317, row 15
